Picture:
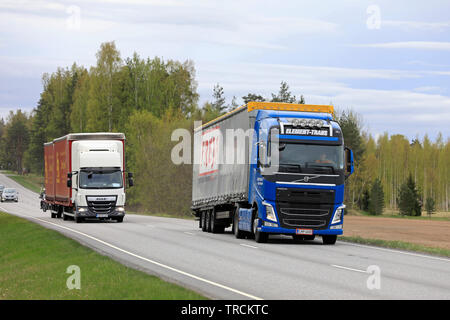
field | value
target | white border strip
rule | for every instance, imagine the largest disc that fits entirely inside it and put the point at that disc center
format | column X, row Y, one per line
column 394, row 251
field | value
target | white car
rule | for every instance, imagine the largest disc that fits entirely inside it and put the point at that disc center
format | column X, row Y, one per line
column 10, row 194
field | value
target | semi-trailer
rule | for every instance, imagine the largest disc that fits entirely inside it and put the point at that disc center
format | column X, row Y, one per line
column 271, row 168
column 84, row 176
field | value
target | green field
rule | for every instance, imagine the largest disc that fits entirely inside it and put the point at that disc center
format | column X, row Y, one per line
column 34, row 260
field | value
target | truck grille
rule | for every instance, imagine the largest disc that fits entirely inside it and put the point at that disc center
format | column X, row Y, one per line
column 101, row 205
column 301, row 208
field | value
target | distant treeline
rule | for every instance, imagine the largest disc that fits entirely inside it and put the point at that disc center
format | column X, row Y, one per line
column 148, row 98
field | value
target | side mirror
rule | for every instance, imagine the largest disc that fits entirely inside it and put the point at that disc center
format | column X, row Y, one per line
column 348, row 162
column 69, row 183
column 130, row 182
column 69, row 175
column 130, row 175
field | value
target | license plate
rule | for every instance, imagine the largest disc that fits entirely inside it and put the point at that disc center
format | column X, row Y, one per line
column 304, row 231
column 104, row 215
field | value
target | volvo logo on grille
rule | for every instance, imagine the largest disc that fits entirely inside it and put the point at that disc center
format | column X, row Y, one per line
column 306, row 179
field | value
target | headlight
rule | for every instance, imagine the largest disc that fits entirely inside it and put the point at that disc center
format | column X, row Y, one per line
column 270, row 213
column 120, row 209
column 338, row 214
column 82, row 210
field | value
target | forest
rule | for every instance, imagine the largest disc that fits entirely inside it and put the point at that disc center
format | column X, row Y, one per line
column 148, row 98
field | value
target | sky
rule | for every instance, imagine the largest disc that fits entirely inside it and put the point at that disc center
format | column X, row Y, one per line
column 387, row 60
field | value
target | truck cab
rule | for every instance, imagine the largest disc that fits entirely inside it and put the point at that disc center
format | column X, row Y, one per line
column 297, row 176
column 97, row 179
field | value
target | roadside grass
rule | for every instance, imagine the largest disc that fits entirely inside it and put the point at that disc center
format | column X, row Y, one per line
column 34, row 261
column 439, row 216
column 30, row 181
column 401, row 245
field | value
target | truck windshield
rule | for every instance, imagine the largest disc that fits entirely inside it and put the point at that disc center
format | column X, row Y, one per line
column 101, row 179
column 300, row 156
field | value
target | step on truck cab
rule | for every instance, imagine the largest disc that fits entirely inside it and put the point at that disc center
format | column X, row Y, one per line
column 85, row 176
column 271, row 168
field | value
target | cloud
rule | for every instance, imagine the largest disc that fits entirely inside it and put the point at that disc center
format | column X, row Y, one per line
column 393, row 110
column 425, row 45
column 416, row 25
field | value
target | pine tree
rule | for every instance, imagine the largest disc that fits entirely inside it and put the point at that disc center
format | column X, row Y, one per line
column 284, row 95
column 409, row 202
column 364, row 200
column 219, row 100
column 376, row 198
column 253, row 97
column 430, row 206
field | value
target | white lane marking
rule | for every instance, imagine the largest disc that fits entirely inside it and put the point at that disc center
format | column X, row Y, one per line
column 247, row 245
column 347, row 268
column 395, row 251
column 148, row 260
column 189, row 233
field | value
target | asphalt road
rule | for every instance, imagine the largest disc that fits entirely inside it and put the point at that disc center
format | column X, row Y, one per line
column 223, row 267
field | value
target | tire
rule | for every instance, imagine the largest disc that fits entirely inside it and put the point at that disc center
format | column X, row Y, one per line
column 329, row 239
column 215, row 227
column 260, row 237
column 204, row 221
column 53, row 215
column 208, row 221
column 78, row 219
column 239, row 234
column 65, row 217
column 119, row 220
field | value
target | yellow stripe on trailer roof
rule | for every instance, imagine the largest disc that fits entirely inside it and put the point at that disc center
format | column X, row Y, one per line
column 282, row 106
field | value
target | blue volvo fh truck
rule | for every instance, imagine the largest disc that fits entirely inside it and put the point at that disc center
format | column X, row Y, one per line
column 269, row 168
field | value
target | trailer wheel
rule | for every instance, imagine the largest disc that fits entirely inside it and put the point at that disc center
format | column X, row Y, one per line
column 239, row 234
column 204, row 221
column 208, row 221
column 215, row 227
column 53, row 214
column 329, row 239
column 65, row 217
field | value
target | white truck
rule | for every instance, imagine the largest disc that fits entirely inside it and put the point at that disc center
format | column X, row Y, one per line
column 85, row 176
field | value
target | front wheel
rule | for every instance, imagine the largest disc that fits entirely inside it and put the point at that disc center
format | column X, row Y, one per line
column 260, row 237
column 119, row 220
column 329, row 239
column 78, row 219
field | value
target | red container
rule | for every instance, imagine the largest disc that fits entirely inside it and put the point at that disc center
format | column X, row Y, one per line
column 57, row 164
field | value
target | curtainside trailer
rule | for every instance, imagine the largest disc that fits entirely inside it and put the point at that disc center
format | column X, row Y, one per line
column 271, row 168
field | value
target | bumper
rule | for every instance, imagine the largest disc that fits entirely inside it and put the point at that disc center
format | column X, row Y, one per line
column 90, row 214
column 279, row 230
column 10, row 199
